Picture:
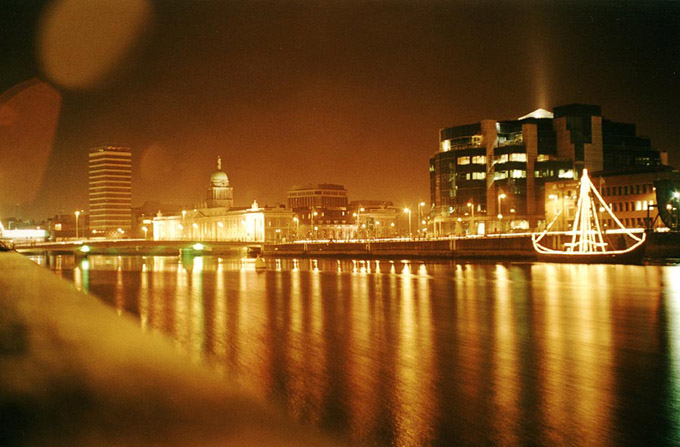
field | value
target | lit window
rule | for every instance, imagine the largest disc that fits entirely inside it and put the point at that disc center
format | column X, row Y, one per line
column 478, row 175
column 638, row 206
column 518, row 173
column 500, row 175
column 57, row 227
column 502, row 158
column 543, row 157
column 479, row 160
column 518, row 157
column 566, row 173
column 463, row 160
column 446, row 145
column 476, row 140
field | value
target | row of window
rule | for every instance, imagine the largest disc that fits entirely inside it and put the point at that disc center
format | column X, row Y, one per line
column 510, row 139
column 561, row 173
column 627, row 189
column 475, row 160
column 639, row 205
column 481, row 159
column 633, row 222
column 512, row 173
column 503, row 158
column 462, row 143
column 472, row 175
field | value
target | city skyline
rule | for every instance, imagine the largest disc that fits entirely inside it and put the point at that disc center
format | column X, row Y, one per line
column 341, row 93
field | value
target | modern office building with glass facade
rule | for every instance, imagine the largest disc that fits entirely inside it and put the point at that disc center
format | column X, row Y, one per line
column 490, row 176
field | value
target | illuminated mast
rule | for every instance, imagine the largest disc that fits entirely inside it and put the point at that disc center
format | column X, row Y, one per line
column 586, row 233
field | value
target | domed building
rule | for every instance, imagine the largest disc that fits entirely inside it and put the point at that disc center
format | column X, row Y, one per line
column 216, row 219
column 220, row 193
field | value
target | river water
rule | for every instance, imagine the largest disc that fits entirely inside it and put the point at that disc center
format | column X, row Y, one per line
column 399, row 353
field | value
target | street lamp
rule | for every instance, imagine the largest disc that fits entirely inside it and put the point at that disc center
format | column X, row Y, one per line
column 500, row 209
column 314, row 214
column 471, row 205
column 420, row 213
column 500, row 204
column 408, row 211
column 77, row 213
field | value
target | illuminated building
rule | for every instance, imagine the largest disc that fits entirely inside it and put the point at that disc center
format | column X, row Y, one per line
column 63, row 225
column 320, row 212
column 217, row 219
column 220, row 192
column 110, row 198
column 376, row 218
column 490, row 176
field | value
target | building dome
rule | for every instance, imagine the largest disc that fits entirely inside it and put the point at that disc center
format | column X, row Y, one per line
column 219, row 177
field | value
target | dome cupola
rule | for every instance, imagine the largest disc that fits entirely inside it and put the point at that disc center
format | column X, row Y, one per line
column 219, row 177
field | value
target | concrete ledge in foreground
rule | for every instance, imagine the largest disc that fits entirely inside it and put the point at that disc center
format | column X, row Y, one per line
column 73, row 373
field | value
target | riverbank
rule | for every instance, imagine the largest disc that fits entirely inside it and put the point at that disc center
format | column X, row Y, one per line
column 73, row 372
column 659, row 247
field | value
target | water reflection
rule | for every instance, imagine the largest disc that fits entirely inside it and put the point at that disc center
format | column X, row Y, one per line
column 409, row 353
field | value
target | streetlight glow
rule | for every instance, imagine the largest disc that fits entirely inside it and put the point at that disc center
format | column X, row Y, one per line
column 77, row 213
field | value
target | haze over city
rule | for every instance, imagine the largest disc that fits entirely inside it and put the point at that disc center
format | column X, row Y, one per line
column 289, row 93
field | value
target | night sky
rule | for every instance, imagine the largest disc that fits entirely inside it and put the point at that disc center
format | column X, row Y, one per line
column 311, row 91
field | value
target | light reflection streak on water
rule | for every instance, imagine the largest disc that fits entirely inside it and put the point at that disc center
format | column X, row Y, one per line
column 158, row 315
column 671, row 281
column 592, row 365
column 181, row 300
column 470, row 330
column 414, row 400
column 144, row 298
column 249, row 344
column 362, row 372
column 555, row 396
column 505, row 358
column 219, row 342
column 533, row 354
column 196, row 318
column 120, row 288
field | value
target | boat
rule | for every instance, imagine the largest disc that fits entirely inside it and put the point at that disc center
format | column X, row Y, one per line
column 588, row 242
column 260, row 263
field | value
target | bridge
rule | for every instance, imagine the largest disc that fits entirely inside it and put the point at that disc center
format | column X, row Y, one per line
column 140, row 247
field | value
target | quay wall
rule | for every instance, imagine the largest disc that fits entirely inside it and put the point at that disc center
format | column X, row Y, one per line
column 659, row 246
column 74, row 372
column 513, row 247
